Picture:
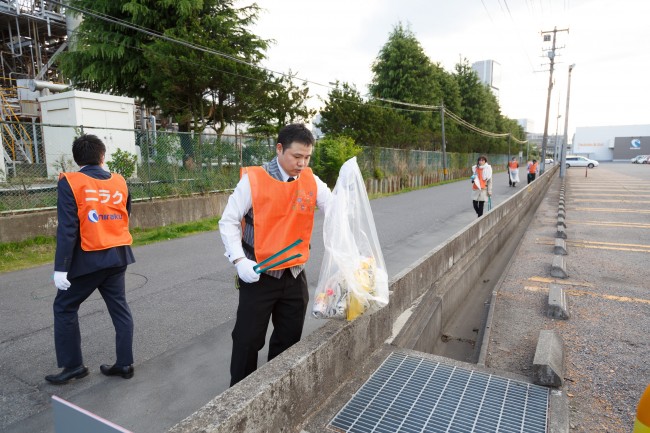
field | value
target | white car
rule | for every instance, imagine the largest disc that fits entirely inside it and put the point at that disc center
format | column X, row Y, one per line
column 640, row 159
column 580, row 161
column 548, row 161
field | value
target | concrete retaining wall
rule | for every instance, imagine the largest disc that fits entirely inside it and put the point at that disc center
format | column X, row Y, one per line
column 281, row 394
column 145, row 214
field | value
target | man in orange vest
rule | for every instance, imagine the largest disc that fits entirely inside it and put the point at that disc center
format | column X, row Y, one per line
column 272, row 207
column 92, row 252
column 532, row 170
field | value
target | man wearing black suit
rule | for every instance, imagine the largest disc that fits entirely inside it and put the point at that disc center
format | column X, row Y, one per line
column 92, row 252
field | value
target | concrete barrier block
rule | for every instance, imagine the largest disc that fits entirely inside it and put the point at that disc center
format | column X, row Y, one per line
column 560, row 247
column 561, row 201
column 561, row 222
column 561, row 213
column 558, row 268
column 548, row 364
column 557, row 303
column 561, row 233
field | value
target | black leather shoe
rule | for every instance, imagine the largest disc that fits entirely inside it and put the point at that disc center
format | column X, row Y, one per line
column 126, row 371
column 67, row 374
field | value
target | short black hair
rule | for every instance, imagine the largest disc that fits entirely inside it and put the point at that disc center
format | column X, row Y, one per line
column 88, row 150
column 482, row 157
column 297, row 132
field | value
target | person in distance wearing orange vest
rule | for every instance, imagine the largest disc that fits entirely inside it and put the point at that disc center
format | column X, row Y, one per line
column 92, row 252
column 513, row 172
column 283, row 194
column 481, row 184
column 532, row 170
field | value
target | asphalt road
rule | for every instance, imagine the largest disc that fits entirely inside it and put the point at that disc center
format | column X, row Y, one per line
column 183, row 302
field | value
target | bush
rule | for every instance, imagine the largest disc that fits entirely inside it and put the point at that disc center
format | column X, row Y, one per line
column 122, row 162
column 332, row 152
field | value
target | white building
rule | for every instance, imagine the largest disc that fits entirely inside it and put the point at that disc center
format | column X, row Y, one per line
column 489, row 72
column 109, row 117
column 527, row 124
column 612, row 143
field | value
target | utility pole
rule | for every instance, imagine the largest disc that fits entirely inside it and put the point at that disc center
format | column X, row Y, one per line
column 444, row 144
column 551, row 56
column 566, row 125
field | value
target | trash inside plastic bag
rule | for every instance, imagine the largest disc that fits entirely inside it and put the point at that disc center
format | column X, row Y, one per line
column 353, row 278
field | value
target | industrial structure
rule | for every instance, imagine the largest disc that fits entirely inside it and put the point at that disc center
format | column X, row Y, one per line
column 33, row 33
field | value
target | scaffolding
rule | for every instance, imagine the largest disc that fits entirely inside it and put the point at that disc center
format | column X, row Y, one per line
column 32, row 34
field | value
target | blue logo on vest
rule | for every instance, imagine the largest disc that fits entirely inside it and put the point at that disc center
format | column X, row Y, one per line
column 92, row 216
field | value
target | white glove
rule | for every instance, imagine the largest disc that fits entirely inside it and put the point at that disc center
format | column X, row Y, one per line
column 246, row 272
column 61, row 280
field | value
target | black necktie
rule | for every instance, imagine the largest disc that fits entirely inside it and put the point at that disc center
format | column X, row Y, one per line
column 291, row 179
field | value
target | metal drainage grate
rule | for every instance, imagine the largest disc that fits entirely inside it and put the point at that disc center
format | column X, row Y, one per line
column 412, row 394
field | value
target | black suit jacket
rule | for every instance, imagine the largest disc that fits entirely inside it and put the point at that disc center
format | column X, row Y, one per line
column 69, row 256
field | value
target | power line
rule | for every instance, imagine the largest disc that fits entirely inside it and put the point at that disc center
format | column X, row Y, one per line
column 114, row 20
column 487, row 12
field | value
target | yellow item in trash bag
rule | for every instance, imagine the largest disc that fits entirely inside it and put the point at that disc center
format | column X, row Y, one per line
column 365, row 275
column 356, row 306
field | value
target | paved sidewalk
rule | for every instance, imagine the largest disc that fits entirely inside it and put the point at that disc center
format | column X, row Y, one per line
column 607, row 338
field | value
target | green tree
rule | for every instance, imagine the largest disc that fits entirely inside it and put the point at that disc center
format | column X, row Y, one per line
column 403, row 72
column 477, row 102
column 345, row 114
column 281, row 101
column 193, row 86
column 367, row 123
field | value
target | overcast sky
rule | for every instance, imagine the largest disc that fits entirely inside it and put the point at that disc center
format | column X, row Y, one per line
column 608, row 40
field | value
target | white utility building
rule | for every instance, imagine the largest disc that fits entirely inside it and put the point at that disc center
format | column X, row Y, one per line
column 109, row 117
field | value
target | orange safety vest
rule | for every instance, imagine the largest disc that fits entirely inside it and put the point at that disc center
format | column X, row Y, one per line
column 479, row 174
column 513, row 165
column 532, row 168
column 284, row 212
column 642, row 421
column 101, row 207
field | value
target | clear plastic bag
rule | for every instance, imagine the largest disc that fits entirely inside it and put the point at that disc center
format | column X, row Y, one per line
column 353, row 278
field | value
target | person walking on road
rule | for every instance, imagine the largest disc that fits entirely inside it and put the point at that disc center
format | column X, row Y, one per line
column 513, row 172
column 92, row 252
column 532, row 170
column 481, row 184
column 283, row 194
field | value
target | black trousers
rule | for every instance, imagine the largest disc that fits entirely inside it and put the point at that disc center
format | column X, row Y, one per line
column 284, row 301
column 478, row 207
column 531, row 177
column 67, row 337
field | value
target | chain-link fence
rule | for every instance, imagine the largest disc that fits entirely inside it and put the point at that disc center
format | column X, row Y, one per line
column 167, row 163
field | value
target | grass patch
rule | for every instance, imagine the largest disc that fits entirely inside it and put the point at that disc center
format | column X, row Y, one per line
column 40, row 250
column 26, row 254
column 172, row 231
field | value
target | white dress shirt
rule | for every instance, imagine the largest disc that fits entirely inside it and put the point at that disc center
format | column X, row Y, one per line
column 241, row 201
